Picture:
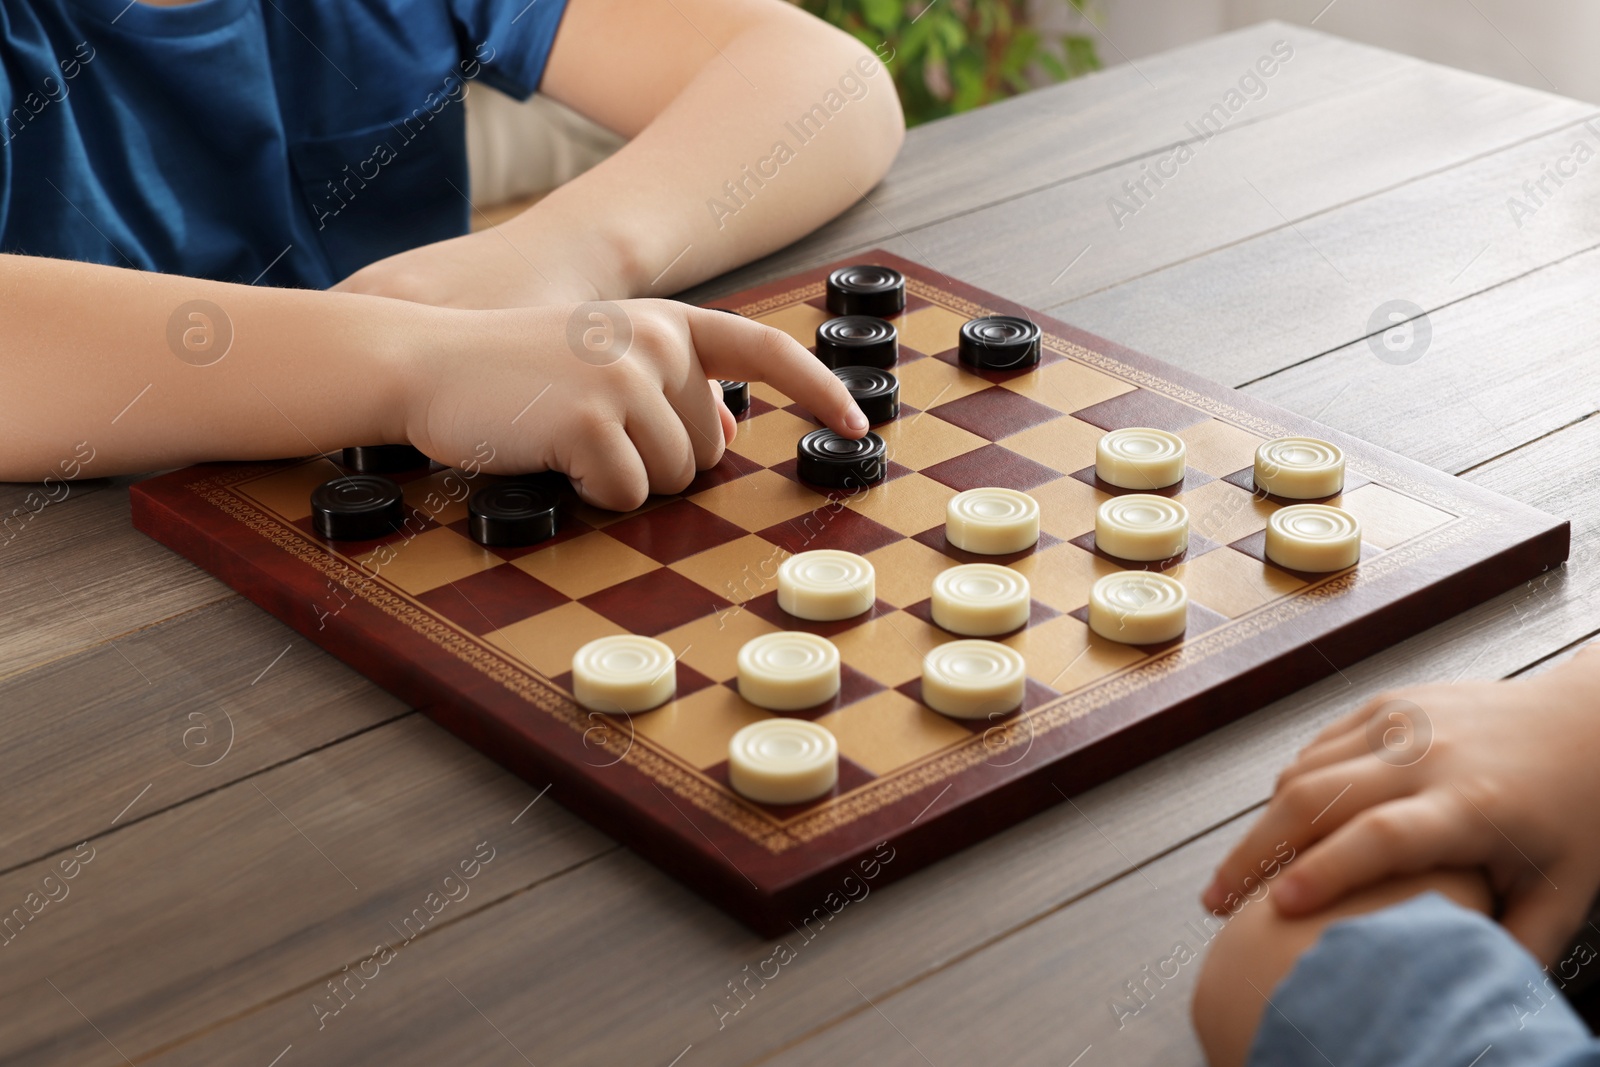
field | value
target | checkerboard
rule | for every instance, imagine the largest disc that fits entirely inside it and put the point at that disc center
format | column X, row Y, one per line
column 482, row 638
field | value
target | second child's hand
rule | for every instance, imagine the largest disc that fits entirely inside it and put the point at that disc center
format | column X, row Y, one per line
column 1507, row 783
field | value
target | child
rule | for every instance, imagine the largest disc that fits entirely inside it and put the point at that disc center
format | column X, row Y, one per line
column 180, row 181
column 1483, row 792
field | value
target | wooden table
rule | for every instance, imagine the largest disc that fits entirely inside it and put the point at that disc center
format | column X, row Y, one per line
column 260, row 818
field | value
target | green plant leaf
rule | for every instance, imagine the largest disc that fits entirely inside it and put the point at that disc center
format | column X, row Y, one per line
column 955, row 55
column 884, row 15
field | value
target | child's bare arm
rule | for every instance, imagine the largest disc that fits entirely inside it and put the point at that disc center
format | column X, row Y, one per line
column 751, row 124
column 1498, row 774
column 154, row 370
column 1259, row 946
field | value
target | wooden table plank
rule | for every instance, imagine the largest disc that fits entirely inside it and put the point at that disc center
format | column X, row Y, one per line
column 1063, row 985
column 1266, row 178
column 164, row 715
column 76, row 575
column 974, row 160
column 269, row 887
column 1513, row 364
column 1245, row 310
column 655, row 945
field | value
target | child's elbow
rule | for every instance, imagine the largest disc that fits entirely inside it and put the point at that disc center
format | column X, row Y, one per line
column 883, row 127
column 893, row 121
column 848, row 87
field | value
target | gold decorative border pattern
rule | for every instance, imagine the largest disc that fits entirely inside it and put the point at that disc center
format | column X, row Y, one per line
column 783, row 300
column 959, row 304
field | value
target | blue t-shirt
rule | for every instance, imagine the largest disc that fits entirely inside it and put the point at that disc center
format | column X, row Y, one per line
column 286, row 141
column 1419, row 984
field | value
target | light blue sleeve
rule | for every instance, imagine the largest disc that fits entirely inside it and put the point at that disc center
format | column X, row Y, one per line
column 1422, row 983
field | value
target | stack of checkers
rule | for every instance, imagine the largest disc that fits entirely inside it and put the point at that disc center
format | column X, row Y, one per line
column 861, row 346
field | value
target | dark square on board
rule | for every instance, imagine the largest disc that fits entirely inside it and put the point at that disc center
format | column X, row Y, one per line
column 1038, row 612
column 730, row 468
column 492, row 599
column 790, row 469
column 654, row 603
column 841, row 528
column 1246, row 480
column 1201, row 619
column 674, row 531
column 1192, row 479
column 1035, row 695
column 935, row 539
column 1255, row 546
column 568, row 526
column 995, row 412
column 1198, row 546
column 991, row 465
column 689, row 681
column 952, row 356
column 1141, row 407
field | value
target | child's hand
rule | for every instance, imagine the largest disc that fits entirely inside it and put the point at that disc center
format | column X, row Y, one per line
column 616, row 396
column 1508, row 780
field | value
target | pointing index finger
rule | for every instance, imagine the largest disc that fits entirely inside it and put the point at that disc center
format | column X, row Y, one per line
column 734, row 347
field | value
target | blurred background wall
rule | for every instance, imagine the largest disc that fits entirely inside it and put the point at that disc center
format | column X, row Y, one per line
column 1546, row 44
